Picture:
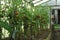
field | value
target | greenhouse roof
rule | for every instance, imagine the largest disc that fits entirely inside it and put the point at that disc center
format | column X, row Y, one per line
column 38, row 2
column 52, row 2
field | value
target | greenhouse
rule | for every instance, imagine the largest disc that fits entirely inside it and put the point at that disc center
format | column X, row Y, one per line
column 29, row 20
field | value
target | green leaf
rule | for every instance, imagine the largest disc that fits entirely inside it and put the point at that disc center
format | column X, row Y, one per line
column 5, row 25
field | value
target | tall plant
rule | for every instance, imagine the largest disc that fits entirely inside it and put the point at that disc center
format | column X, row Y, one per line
column 23, row 14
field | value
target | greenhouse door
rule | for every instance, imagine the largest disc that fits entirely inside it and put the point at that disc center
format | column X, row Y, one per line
column 56, row 13
column 56, row 25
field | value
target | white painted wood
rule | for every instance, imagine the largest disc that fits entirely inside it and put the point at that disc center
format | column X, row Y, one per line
column 56, row 7
column 56, row 15
column 40, row 2
column 35, row 1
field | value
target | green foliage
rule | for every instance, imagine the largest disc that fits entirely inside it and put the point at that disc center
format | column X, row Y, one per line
column 38, row 17
column 18, row 15
column 5, row 25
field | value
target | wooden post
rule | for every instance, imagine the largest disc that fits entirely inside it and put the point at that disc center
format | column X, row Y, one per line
column 52, row 28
